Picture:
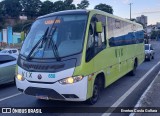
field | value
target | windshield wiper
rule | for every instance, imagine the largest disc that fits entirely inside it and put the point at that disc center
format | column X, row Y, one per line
column 40, row 40
column 54, row 46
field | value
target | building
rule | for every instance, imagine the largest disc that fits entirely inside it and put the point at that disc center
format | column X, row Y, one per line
column 143, row 20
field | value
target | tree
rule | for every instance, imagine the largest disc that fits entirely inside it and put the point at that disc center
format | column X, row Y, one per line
column 47, row 7
column 1, row 12
column 155, row 34
column 68, row 5
column 58, row 6
column 31, row 7
column 11, row 8
column 83, row 5
column 105, row 8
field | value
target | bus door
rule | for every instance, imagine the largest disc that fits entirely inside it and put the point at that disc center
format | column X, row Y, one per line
column 100, row 58
column 97, row 42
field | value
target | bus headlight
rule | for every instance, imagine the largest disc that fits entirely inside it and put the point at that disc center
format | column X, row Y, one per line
column 71, row 80
column 20, row 77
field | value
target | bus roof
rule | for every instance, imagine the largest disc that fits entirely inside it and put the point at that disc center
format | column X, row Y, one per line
column 66, row 12
column 84, row 11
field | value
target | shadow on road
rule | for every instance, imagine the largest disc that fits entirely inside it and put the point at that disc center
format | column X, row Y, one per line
column 8, row 85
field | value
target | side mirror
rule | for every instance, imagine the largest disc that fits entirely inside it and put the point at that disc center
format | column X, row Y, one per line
column 99, row 27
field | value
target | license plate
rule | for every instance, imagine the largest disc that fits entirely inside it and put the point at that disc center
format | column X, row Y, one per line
column 42, row 97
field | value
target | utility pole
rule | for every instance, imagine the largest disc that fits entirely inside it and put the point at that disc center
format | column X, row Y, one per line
column 130, row 10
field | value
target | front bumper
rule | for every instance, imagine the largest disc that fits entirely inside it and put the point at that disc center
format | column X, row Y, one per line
column 56, row 91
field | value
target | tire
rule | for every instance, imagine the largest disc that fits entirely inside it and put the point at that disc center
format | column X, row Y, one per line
column 133, row 72
column 14, row 80
column 96, row 92
column 150, row 58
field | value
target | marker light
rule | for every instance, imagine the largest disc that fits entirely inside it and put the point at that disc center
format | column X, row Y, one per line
column 71, row 80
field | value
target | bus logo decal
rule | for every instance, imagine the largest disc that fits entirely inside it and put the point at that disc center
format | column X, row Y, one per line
column 39, row 77
column 51, row 76
column 27, row 74
column 30, row 75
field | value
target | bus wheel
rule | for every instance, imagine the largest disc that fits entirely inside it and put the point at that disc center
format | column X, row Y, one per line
column 96, row 92
column 133, row 72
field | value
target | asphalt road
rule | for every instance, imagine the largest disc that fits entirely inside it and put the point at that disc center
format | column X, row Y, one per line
column 108, row 96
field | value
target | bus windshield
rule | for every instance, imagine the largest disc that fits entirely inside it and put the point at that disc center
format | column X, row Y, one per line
column 66, row 32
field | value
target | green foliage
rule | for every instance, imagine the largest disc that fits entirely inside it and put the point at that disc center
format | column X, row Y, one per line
column 2, row 23
column 10, row 7
column 83, row 5
column 47, row 7
column 31, row 7
column 19, row 26
column 155, row 34
column 34, row 8
column 105, row 8
column 58, row 6
column 68, row 5
column 1, row 12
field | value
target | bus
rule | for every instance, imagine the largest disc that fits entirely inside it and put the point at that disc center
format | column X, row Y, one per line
column 72, row 55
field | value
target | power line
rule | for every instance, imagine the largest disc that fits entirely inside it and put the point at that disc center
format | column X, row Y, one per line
column 148, row 12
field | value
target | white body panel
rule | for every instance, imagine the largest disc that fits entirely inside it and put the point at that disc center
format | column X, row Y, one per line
column 78, row 88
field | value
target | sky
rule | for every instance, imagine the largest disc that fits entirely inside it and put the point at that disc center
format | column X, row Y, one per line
column 150, row 8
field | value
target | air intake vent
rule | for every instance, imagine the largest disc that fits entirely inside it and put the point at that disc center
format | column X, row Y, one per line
column 31, row 66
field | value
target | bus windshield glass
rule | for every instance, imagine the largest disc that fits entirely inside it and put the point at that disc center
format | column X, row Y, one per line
column 65, row 32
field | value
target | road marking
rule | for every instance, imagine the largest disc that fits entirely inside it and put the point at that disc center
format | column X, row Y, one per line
column 144, row 94
column 124, row 96
column 14, row 95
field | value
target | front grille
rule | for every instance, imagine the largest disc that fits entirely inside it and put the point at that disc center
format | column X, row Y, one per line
column 41, row 66
column 70, row 96
column 50, row 93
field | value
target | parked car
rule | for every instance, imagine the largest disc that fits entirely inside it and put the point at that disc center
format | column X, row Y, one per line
column 10, row 51
column 7, row 67
column 149, row 52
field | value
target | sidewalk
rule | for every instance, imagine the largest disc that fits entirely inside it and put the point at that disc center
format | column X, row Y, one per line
column 150, row 98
